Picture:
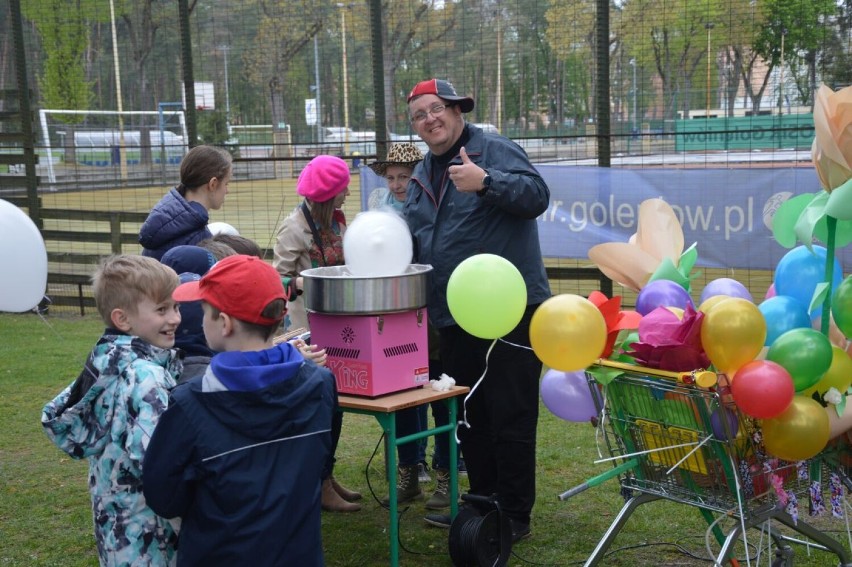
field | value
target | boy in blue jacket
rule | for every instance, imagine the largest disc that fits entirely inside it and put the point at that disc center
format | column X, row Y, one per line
column 239, row 453
column 108, row 413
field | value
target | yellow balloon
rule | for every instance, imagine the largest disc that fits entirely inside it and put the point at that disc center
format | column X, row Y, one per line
column 839, row 374
column 677, row 311
column 732, row 333
column 567, row 332
column 711, row 302
column 799, row 433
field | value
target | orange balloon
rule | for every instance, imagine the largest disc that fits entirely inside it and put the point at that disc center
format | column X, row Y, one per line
column 733, row 333
column 567, row 332
column 799, row 433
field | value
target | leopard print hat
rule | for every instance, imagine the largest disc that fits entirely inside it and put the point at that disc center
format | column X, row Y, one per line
column 406, row 154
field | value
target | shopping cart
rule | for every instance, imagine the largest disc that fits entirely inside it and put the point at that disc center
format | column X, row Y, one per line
column 673, row 436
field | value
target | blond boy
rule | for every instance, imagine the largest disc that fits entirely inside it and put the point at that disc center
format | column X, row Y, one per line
column 107, row 415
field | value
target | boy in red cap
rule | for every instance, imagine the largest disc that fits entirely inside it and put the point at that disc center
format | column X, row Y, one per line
column 239, row 453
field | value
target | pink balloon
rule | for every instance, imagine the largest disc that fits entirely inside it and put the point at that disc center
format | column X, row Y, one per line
column 568, row 395
column 770, row 292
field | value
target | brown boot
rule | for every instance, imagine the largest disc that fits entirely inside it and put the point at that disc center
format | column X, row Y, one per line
column 407, row 486
column 440, row 499
column 345, row 493
column 332, row 502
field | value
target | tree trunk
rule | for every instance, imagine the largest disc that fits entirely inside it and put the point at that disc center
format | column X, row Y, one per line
column 70, row 146
column 390, row 106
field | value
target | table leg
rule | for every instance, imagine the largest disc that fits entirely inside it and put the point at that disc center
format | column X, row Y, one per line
column 388, row 423
column 452, row 406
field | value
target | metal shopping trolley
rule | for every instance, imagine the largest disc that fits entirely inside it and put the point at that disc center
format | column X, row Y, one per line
column 673, row 436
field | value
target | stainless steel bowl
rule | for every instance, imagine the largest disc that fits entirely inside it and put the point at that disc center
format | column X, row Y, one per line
column 335, row 290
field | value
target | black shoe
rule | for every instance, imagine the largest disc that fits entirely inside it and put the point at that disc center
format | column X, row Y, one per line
column 438, row 520
column 520, row 531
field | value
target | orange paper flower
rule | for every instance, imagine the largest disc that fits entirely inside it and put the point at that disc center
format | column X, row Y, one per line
column 832, row 147
column 658, row 243
column 616, row 320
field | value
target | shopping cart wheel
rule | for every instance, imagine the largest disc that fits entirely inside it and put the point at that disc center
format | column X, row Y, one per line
column 783, row 557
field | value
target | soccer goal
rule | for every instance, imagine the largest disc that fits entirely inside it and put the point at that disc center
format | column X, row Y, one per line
column 103, row 138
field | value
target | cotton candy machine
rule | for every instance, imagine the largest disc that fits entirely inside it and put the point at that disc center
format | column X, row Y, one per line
column 372, row 328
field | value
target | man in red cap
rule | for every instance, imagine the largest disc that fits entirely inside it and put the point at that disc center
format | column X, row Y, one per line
column 478, row 193
column 239, row 454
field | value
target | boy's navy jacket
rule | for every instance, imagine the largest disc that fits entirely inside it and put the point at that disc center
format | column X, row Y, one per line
column 172, row 222
column 238, row 456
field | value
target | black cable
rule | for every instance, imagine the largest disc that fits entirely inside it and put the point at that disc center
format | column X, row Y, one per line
column 400, row 512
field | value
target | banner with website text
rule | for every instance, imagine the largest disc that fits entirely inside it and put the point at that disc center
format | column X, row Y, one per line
column 727, row 212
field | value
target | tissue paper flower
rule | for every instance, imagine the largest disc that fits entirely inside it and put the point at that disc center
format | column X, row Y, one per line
column 832, row 147
column 669, row 343
column 615, row 319
column 654, row 252
column 833, row 396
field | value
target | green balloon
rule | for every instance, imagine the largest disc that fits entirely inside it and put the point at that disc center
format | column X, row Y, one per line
column 487, row 296
column 805, row 353
column 841, row 307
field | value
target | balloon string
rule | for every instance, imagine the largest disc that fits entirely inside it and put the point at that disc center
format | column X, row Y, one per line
column 463, row 420
column 510, row 344
column 472, row 390
column 46, row 322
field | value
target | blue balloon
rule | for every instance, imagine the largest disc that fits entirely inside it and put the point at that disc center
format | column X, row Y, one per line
column 662, row 293
column 783, row 313
column 801, row 270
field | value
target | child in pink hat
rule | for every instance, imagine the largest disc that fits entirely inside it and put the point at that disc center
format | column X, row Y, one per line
column 312, row 237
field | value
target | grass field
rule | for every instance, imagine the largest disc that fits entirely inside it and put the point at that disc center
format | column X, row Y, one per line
column 44, row 504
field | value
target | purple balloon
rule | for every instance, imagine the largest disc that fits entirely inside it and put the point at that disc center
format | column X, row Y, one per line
column 662, row 293
column 568, row 395
column 725, row 286
column 717, row 423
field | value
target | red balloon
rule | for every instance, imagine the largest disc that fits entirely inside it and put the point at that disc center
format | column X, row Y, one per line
column 762, row 389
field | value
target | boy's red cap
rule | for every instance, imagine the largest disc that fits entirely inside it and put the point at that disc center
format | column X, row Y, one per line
column 241, row 286
column 442, row 89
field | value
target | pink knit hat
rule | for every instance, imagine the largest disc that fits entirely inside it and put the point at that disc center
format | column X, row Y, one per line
column 323, row 178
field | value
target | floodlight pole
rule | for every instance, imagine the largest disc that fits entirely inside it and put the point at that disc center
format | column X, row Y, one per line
column 633, row 64
column 225, row 49
column 345, row 80
column 122, row 152
column 709, row 26
column 781, row 81
column 317, row 80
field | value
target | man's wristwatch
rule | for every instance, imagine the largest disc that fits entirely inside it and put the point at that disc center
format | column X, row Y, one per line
column 486, row 184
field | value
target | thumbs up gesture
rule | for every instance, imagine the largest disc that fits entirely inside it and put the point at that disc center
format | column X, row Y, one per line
column 468, row 176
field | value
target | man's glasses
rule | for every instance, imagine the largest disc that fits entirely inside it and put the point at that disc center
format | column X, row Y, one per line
column 436, row 110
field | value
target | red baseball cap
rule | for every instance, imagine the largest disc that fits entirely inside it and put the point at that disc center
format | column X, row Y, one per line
column 241, row 286
column 442, row 89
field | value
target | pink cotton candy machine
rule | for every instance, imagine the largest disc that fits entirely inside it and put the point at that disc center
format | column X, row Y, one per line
column 373, row 328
